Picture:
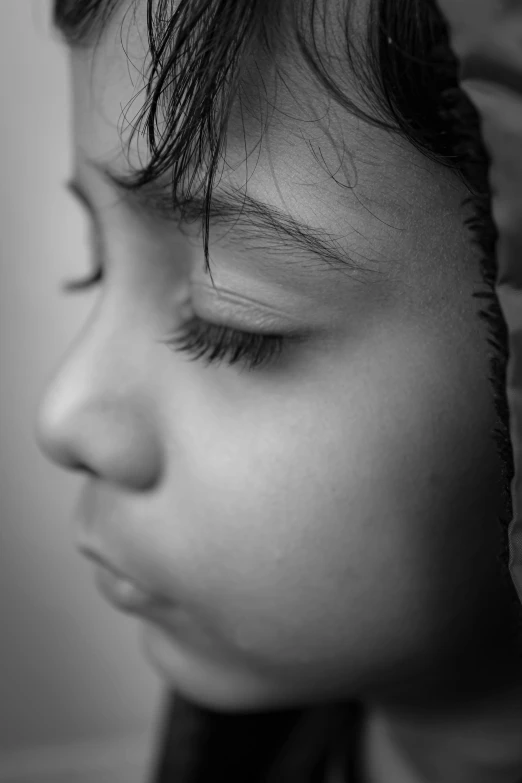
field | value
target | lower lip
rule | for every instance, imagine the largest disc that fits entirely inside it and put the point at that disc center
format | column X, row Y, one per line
column 124, row 594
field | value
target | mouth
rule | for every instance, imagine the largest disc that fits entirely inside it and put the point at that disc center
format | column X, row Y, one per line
column 123, row 593
column 119, row 589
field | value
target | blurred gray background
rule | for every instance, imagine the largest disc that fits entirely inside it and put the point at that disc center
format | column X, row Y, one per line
column 78, row 702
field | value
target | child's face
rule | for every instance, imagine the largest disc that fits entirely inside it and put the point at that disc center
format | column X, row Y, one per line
column 323, row 525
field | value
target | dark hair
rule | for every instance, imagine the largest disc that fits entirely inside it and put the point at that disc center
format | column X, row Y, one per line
column 407, row 78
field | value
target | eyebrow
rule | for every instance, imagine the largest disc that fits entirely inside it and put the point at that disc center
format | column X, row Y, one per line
column 280, row 234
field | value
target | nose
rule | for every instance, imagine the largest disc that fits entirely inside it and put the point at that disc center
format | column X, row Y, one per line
column 98, row 416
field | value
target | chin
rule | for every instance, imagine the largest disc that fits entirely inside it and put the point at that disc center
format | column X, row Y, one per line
column 211, row 684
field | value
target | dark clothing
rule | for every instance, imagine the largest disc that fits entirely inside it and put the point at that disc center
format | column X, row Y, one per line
column 244, row 747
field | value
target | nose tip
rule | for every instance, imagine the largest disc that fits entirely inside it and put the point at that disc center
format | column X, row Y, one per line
column 49, row 429
column 99, row 436
column 89, row 421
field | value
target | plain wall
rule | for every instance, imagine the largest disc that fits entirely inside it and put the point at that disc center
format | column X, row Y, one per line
column 75, row 689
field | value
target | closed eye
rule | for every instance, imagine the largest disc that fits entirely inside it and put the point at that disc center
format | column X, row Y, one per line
column 211, row 343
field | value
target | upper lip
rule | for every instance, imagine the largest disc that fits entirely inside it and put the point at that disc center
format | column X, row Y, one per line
column 97, row 557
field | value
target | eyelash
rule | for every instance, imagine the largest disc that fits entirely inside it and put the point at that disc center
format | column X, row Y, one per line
column 211, row 342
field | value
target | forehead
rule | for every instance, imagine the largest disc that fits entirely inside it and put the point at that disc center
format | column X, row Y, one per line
column 299, row 151
column 110, row 79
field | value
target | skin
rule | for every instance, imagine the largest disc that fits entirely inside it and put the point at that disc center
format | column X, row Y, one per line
column 325, row 527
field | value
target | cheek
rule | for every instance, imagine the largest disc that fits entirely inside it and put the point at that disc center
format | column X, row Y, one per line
column 304, row 525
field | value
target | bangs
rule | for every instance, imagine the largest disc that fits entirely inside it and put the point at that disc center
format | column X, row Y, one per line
column 197, row 50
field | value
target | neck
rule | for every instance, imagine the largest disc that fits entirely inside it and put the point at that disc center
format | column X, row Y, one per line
column 472, row 735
